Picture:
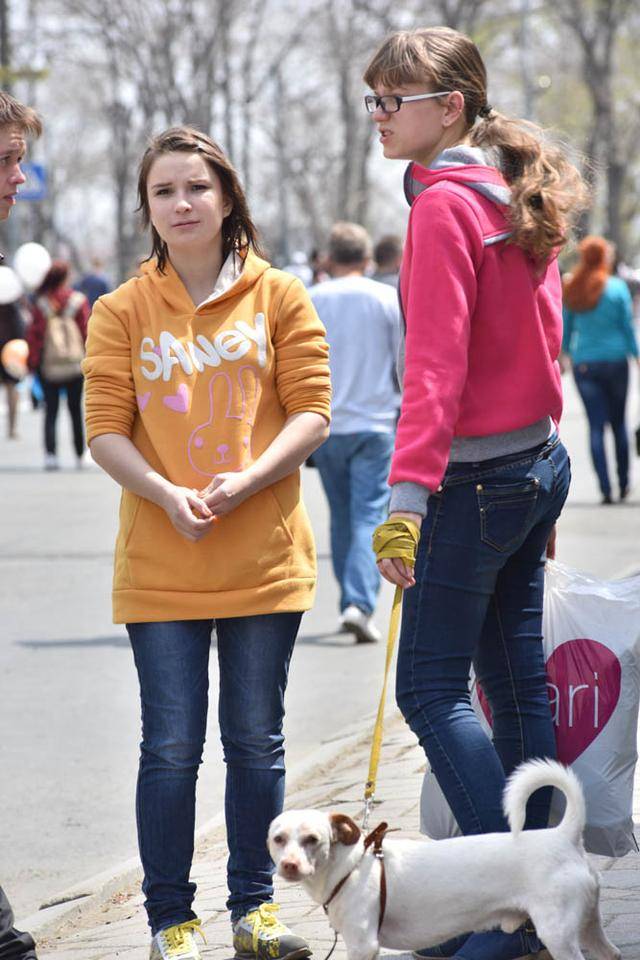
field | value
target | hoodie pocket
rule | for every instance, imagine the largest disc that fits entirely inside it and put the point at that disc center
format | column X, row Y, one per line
column 249, row 547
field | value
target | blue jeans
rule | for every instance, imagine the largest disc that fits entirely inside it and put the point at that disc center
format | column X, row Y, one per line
column 172, row 661
column 478, row 600
column 603, row 387
column 354, row 468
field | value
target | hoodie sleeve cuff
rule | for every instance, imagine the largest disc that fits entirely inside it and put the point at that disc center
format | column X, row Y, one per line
column 407, row 497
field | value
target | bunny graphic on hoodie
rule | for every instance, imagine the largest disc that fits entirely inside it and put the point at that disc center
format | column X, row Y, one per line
column 200, row 391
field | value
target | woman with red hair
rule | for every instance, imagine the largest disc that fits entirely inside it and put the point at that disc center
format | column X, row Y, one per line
column 599, row 338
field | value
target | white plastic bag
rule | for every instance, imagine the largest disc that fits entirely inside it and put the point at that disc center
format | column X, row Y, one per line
column 591, row 634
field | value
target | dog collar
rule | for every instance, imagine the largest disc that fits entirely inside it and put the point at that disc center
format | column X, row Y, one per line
column 374, row 839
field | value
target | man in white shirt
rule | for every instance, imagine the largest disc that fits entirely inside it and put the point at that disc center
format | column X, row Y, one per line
column 362, row 320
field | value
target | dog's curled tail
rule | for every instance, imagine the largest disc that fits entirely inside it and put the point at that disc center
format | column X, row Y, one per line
column 533, row 775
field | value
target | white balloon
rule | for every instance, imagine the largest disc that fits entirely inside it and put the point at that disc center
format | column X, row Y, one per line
column 10, row 285
column 31, row 263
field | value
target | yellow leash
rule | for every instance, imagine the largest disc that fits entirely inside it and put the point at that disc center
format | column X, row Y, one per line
column 393, row 538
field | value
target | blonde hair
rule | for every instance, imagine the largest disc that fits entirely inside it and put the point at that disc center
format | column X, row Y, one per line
column 547, row 191
column 16, row 114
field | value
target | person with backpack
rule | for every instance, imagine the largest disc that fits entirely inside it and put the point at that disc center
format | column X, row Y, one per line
column 56, row 339
column 478, row 475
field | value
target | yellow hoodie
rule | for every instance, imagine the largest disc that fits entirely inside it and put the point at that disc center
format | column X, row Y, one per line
column 201, row 391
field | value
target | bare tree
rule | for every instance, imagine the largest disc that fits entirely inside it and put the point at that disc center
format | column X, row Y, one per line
column 596, row 25
column 278, row 82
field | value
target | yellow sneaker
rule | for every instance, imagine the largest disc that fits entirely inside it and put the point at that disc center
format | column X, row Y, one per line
column 259, row 935
column 177, row 943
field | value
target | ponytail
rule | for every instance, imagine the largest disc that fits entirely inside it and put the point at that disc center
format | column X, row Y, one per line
column 547, row 191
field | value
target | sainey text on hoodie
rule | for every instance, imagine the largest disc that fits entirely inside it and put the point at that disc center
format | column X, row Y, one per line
column 483, row 324
column 201, row 391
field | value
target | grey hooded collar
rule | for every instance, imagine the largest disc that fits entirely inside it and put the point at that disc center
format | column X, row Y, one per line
column 460, row 156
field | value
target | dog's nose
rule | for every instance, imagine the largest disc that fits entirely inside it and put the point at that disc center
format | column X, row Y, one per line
column 289, row 867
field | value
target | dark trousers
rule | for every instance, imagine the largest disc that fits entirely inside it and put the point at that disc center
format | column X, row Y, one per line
column 13, row 944
column 603, row 388
column 52, row 401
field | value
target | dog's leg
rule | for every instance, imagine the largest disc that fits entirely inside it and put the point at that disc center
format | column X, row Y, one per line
column 561, row 944
column 559, row 929
column 595, row 939
column 360, row 940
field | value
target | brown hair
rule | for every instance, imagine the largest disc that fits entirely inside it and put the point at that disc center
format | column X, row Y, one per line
column 584, row 287
column 349, row 243
column 547, row 191
column 238, row 230
column 387, row 250
column 55, row 277
column 14, row 113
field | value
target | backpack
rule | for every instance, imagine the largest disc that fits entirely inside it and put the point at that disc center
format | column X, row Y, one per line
column 63, row 349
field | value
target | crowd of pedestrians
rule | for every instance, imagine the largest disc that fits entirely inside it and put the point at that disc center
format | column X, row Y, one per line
column 211, row 377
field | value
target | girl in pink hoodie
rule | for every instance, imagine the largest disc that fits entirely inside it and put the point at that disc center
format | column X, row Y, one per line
column 478, row 465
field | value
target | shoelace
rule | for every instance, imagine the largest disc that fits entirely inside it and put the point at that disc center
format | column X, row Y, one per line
column 176, row 937
column 265, row 917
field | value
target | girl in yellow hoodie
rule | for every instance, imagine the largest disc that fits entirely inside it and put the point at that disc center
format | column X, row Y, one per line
column 207, row 385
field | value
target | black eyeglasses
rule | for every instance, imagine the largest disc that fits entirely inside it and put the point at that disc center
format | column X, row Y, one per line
column 391, row 103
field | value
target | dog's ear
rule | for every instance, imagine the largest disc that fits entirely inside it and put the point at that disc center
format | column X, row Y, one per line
column 343, row 829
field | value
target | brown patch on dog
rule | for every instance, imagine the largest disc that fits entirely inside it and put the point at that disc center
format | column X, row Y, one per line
column 344, row 829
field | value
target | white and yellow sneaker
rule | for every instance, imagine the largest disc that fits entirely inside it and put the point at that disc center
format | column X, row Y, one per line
column 177, row 943
column 259, row 935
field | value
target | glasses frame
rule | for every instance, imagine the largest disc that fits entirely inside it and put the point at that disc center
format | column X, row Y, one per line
column 371, row 99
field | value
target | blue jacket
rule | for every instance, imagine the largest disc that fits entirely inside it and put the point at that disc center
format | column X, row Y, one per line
column 604, row 333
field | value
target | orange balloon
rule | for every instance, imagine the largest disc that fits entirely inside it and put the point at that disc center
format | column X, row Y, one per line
column 14, row 358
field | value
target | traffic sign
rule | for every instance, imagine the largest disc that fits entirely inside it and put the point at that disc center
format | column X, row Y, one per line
column 36, row 186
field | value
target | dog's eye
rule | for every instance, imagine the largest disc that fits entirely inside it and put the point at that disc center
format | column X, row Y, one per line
column 280, row 839
column 310, row 841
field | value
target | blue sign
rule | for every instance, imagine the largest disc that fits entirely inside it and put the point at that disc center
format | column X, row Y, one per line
column 36, row 186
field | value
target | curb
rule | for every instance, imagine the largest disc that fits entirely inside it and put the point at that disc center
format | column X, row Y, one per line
column 69, row 904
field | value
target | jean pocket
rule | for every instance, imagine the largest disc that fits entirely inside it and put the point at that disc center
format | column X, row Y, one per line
column 505, row 511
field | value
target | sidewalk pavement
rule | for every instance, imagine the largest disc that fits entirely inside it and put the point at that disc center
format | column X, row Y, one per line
column 114, row 925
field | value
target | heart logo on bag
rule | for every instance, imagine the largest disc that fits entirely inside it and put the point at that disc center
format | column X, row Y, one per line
column 583, row 680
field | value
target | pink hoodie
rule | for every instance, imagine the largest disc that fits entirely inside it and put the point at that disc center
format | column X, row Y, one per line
column 483, row 322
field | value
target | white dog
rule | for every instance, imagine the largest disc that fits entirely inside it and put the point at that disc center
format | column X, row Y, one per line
column 437, row 890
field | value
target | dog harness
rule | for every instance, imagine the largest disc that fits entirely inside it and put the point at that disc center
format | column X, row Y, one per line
column 374, row 839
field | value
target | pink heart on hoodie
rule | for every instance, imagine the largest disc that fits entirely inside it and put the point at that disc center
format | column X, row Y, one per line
column 143, row 400
column 178, row 401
